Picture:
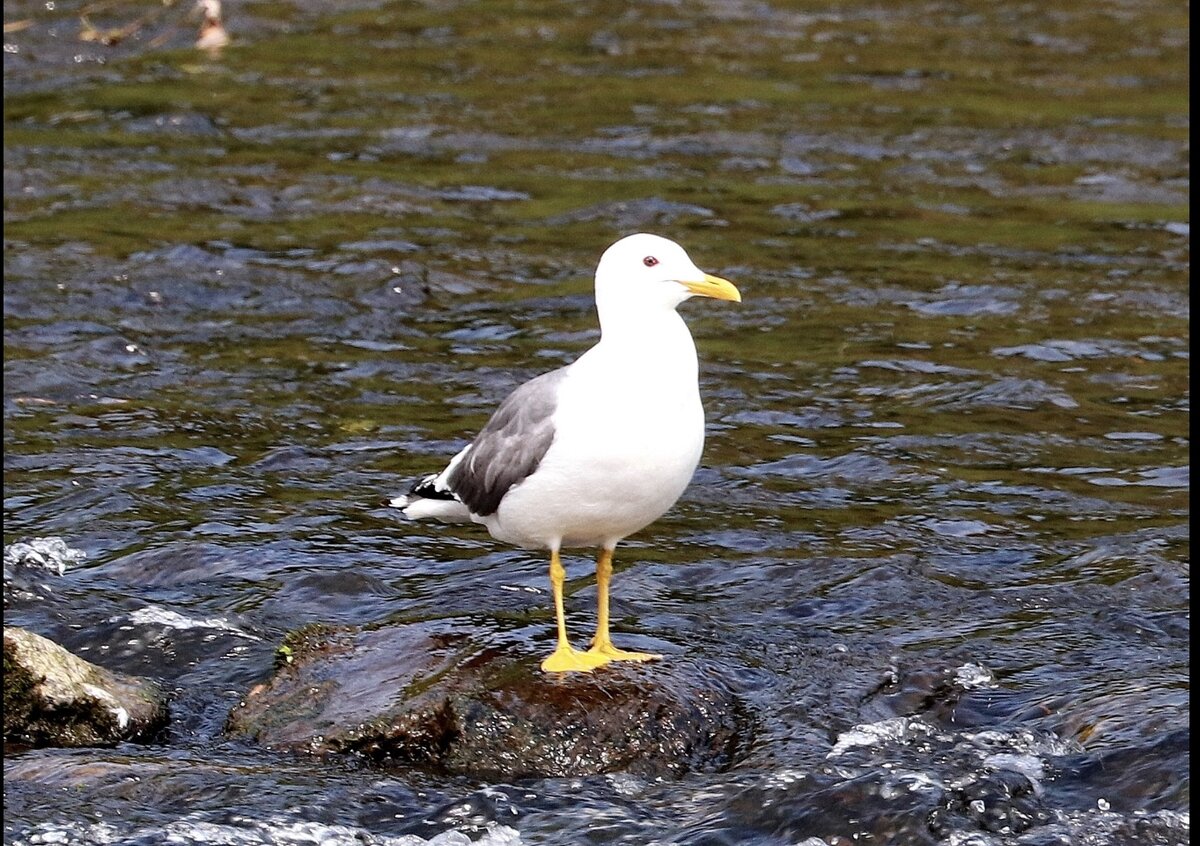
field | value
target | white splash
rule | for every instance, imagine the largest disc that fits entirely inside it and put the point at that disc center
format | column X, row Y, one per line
column 153, row 615
column 974, row 677
column 51, row 554
column 876, row 734
column 243, row 831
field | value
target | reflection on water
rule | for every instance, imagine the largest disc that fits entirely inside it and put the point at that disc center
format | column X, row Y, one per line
column 939, row 536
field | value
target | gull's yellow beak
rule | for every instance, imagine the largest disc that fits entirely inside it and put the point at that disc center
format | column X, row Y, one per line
column 715, row 287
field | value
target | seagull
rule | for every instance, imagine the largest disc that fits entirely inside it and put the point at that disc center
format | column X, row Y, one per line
column 588, row 454
column 213, row 35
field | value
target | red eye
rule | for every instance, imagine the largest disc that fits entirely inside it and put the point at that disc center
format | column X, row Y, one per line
column 649, row 261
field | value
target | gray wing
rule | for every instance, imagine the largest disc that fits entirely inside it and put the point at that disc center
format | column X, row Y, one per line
column 510, row 447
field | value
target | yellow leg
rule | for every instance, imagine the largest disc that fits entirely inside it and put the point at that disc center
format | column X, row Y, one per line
column 564, row 659
column 602, row 643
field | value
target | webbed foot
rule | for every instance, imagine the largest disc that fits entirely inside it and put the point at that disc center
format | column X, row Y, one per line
column 568, row 660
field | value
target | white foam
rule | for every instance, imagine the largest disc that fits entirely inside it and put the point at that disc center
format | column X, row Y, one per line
column 895, row 729
column 974, row 677
column 153, row 615
column 243, row 831
column 1024, row 741
column 1029, row 766
column 51, row 554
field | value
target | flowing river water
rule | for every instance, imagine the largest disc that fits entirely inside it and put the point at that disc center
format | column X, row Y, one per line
column 939, row 536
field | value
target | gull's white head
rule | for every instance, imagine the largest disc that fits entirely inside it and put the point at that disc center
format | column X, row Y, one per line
column 644, row 273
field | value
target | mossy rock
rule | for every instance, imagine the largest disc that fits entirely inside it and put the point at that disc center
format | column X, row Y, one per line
column 430, row 695
column 55, row 698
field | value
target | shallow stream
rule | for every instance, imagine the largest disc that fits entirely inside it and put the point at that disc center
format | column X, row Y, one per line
column 939, row 536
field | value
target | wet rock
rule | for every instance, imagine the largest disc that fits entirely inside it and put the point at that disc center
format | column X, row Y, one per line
column 54, row 698
column 425, row 694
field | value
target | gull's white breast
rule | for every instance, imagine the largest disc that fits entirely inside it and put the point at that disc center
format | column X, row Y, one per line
column 629, row 431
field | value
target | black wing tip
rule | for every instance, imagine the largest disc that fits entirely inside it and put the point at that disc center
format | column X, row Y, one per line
column 426, row 489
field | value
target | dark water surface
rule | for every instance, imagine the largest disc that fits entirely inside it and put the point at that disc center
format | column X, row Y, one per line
column 939, row 536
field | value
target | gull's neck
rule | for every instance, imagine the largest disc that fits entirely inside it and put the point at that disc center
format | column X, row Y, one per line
column 648, row 341
column 636, row 326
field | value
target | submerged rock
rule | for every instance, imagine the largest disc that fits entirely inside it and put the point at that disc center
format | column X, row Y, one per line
column 55, row 698
column 424, row 694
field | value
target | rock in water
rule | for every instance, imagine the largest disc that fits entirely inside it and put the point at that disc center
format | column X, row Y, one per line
column 424, row 694
column 55, row 698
